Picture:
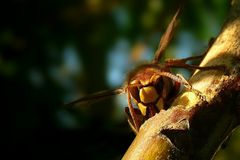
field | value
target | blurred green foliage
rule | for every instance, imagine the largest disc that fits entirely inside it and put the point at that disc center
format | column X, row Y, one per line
column 52, row 52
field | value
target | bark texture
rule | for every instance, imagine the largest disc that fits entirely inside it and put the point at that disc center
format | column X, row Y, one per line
column 195, row 126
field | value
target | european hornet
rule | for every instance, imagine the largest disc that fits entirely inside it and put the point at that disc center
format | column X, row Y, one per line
column 151, row 87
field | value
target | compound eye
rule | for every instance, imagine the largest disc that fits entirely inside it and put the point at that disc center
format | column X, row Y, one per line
column 167, row 87
column 134, row 91
column 159, row 85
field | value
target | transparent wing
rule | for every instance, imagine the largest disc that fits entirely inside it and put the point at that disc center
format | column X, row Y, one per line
column 166, row 38
column 92, row 98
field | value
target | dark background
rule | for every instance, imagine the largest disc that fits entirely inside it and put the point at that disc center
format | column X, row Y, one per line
column 52, row 52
